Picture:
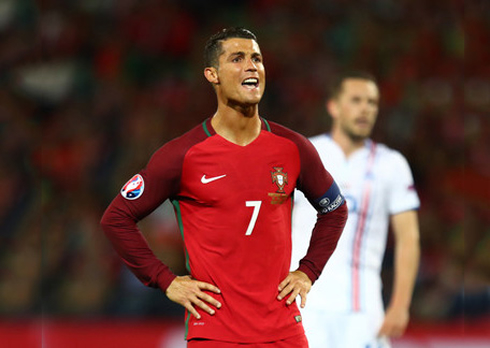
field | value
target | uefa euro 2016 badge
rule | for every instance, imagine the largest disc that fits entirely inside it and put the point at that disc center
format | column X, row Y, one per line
column 133, row 188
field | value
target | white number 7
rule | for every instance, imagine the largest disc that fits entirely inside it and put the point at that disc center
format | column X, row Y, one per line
column 255, row 214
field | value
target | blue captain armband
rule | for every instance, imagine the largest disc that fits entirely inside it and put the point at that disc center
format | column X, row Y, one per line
column 331, row 200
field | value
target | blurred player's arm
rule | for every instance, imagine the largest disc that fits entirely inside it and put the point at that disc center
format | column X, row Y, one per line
column 407, row 255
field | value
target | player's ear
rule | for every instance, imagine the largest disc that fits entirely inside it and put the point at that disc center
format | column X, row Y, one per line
column 211, row 75
column 332, row 107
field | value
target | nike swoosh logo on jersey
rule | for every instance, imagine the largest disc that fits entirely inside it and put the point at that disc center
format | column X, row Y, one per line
column 205, row 180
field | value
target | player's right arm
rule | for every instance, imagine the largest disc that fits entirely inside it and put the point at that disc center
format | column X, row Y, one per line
column 407, row 255
column 149, row 189
column 403, row 205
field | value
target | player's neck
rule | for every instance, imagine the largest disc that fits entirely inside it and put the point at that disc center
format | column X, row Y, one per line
column 347, row 143
column 235, row 126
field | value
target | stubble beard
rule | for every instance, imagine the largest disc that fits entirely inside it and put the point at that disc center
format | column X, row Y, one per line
column 354, row 136
column 247, row 108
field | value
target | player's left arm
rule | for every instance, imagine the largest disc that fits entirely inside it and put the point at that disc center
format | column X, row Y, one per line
column 407, row 254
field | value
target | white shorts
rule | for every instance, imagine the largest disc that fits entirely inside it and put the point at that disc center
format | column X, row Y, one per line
column 354, row 330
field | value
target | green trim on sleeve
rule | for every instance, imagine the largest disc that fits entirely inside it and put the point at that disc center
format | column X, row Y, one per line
column 178, row 214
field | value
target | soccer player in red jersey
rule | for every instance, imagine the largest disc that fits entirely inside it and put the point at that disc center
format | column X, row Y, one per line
column 231, row 181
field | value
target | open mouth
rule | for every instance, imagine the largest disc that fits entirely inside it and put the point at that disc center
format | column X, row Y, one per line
column 251, row 83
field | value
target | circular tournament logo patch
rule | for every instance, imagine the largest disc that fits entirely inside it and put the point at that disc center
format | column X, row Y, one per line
column 133, row 188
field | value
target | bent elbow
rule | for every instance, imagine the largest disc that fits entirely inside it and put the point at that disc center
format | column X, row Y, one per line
column 106, row 222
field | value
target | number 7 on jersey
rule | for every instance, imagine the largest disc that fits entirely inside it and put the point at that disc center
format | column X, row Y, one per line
column 255, row 214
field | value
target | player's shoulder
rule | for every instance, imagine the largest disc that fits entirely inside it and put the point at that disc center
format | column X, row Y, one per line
column 193, row 136
column 321, row 139
column 282, row 131
column 385, row 150
column 178, row 147
column 390, row 155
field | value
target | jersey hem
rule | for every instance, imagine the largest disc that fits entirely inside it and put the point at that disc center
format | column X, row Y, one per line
column 264, row 339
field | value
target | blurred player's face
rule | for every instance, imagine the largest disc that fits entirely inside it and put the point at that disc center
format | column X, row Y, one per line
column 355, row 109
column 240, row 76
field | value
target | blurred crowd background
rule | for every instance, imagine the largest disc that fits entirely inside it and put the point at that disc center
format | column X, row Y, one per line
column 90, row 89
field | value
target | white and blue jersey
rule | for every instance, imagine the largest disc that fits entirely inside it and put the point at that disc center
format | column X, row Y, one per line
column 376, row 182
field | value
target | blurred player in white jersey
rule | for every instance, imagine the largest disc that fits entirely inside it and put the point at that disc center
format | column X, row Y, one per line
column 345, row 308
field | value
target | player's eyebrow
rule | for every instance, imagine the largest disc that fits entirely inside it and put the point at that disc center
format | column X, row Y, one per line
column 243, row 54
column 236, row 54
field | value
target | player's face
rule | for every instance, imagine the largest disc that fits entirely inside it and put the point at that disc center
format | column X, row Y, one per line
column 241, row 73
column 356, row 108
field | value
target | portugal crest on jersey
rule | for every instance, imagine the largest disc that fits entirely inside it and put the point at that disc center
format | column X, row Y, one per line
column 279, row 178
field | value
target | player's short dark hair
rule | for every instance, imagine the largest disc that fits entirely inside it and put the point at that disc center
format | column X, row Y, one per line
column 213, row 47
column 335, row 86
